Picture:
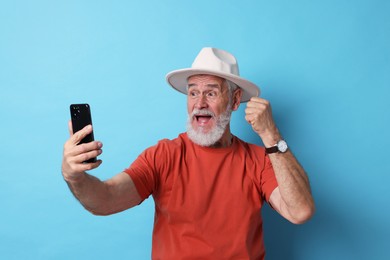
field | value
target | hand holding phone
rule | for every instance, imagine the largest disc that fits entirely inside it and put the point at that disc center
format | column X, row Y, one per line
column 81, row 117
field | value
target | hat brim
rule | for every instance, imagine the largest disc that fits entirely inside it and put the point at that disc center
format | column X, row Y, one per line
column 178, row 80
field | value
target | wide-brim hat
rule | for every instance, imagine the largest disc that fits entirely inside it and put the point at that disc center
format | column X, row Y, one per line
column 215, row 62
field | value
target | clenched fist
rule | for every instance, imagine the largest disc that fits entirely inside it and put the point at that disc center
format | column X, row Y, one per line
column 258, row 113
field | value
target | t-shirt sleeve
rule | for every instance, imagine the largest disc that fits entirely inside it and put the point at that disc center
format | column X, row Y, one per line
column 143, row 172
column 268, row 179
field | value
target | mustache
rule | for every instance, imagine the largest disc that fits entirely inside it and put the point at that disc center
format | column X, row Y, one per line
column 202, row 112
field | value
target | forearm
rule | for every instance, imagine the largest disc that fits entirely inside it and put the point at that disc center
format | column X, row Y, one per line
column 292, row 198
column 292, row 180
column 293, row 184
column 295, row 202
column 92, row 193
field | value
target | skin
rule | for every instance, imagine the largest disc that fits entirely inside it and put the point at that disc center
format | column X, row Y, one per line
column 209, row 92
column 100, row 198
column 292, row 198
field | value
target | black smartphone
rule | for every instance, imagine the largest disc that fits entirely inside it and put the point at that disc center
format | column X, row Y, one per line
column 81, row 117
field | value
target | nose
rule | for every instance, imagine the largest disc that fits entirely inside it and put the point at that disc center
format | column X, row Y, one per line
column 201, row 102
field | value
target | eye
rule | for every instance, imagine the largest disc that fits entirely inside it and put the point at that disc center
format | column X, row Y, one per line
column 193, row 93
column 212, row 94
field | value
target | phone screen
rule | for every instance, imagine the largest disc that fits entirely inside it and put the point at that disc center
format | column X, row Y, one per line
column 81, row 117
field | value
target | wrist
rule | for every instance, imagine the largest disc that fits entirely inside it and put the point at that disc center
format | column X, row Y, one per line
column 270, row 138
column 74, row 178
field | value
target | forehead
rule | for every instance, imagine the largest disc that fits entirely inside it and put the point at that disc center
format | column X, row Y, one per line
column 205, row 79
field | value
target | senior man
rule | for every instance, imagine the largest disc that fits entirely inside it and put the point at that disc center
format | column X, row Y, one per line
column 208, row 185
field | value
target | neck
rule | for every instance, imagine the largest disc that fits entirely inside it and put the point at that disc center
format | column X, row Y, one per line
column 225, row 141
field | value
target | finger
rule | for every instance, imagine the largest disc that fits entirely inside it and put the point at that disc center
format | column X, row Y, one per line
column 70, row 127
column 82, row 167
column 91, row 166
column 254, row 102
column 76, row 150
column 79, row 135
column 258, row 100
column 83, row 157
column 252, row 110
column 250, row 119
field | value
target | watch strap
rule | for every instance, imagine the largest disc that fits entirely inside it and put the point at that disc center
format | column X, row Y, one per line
column 273, row 149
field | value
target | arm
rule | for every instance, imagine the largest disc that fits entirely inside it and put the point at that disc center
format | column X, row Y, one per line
column 98, row 197
column 292, row 198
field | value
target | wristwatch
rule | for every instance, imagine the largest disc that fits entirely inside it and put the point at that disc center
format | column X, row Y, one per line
column 279, row 147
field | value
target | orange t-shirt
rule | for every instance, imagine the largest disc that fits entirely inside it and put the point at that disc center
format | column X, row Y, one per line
column 207, row 200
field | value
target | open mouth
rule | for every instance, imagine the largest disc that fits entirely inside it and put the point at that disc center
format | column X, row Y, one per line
column 203, row 119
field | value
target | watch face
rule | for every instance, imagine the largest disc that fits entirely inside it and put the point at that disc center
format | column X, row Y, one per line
column 282, row 146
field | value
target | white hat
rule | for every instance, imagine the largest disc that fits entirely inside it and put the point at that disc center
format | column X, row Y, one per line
column 215, row 62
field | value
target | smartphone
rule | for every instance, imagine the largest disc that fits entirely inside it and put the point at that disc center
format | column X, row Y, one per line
column 81, row 117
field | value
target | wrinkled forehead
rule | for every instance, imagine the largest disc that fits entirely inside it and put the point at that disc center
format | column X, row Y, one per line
column 209, row 81
column 205, row 79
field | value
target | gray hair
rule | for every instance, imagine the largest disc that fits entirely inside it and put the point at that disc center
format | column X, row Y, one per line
column 231, row 88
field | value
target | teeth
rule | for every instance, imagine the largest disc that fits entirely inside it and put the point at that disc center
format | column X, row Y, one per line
column 196, row 114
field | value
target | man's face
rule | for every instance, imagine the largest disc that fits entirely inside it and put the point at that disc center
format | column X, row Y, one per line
column 208, row 112
column 206, row 92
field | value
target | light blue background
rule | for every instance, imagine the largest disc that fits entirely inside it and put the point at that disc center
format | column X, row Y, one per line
column 324, row 65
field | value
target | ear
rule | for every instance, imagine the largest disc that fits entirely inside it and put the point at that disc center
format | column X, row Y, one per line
column 236, row 99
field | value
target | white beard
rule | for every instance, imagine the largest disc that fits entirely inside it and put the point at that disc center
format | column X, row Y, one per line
column 215, row 134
